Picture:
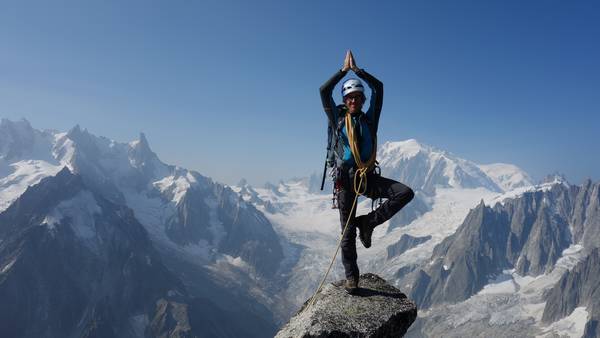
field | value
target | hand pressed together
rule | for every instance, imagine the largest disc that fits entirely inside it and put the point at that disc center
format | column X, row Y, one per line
column 349, row 63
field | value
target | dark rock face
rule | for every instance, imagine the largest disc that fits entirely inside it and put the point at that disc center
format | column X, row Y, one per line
column 528, row 233
column 591, row 219
column 74, row 279
column 463, row 261
column 549, row 236
column 245, row 233
column 200, row 317
column 250, row 235
column 378, row 310
column 406, row 242
column 218, row 300
column 578, row 287
column 539, row 229
column 74, row 264
column 191, row 222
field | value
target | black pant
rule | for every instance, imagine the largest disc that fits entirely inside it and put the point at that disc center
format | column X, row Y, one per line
column 397, row 194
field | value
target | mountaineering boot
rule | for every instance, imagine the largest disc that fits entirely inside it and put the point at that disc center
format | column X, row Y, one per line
column 351, row 285
column 365, row 230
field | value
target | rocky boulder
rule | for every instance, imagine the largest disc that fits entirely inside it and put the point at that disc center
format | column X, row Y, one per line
column 377, row 310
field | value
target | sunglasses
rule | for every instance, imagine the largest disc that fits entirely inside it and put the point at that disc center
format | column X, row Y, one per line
column 353, row 98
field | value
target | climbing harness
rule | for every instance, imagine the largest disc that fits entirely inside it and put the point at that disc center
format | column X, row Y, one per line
column 359, row 189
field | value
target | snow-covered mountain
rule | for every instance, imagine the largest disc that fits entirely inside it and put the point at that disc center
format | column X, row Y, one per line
column 426, row 168
column 507, row 176
column 222, row 249
column 446, row 187
column 26, row 156
column 181, row 209
column 468, row 205
column 516, row 268
column 481, row 247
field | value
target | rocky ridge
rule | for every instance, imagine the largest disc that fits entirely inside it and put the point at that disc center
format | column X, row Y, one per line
column 528, row 233
column 578, row 287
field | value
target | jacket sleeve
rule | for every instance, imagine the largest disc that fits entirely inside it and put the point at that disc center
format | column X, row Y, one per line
column 326, row 95
column 376, row 96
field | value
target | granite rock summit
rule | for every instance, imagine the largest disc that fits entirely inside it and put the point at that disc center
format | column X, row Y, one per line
column 377, row 310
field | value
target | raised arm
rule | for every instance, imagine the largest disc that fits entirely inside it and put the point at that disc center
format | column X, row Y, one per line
column 376, row 102
column 326, row 95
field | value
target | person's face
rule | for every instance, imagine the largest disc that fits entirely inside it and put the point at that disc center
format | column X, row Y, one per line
column 354, row 102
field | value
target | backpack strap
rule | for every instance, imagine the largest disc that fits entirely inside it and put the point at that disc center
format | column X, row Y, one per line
column 338, row 147
column 369, row 124
column 341, row 109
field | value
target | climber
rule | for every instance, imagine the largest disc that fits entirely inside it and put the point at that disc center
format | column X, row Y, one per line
column 360, row 147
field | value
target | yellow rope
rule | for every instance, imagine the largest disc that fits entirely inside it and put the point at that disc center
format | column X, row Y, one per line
column 363, row 167
column 361, row 173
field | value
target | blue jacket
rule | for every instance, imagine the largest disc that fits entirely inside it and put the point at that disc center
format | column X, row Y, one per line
column 365, row 126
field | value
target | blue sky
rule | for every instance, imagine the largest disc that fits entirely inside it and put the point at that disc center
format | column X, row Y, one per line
column 230, row 88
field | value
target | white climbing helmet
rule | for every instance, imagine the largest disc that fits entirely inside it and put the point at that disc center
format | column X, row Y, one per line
column 351, row 86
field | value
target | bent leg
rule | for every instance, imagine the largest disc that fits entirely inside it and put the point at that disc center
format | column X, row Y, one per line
column 397, row 194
